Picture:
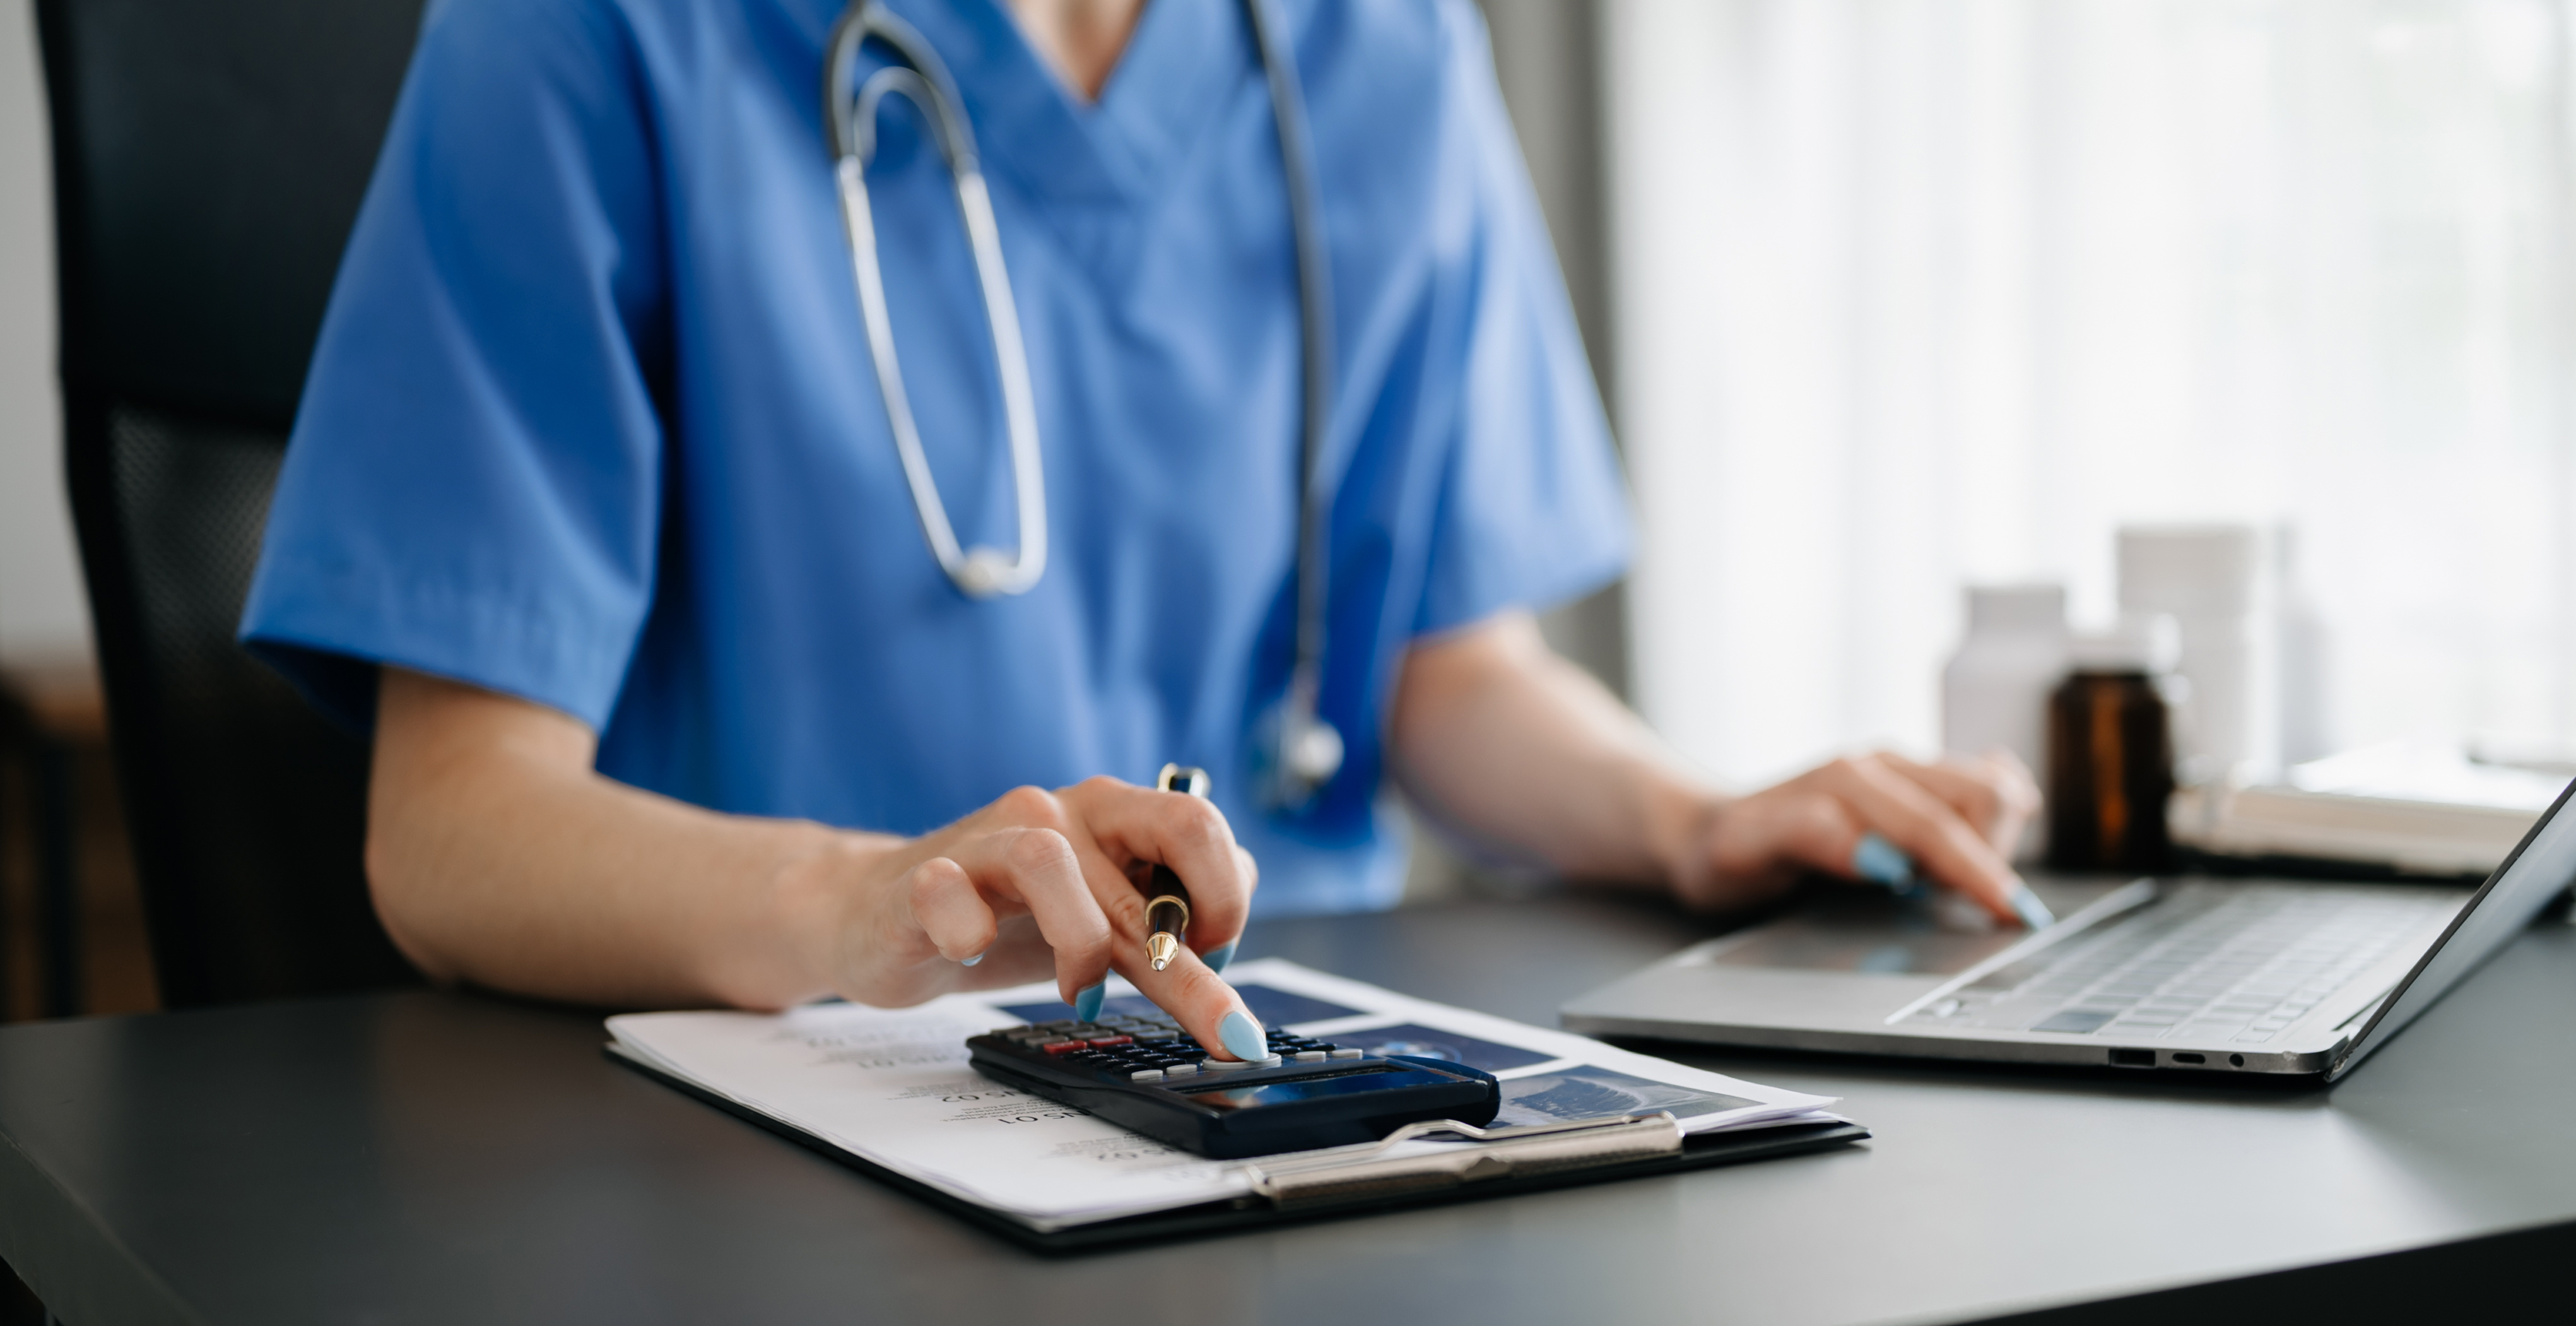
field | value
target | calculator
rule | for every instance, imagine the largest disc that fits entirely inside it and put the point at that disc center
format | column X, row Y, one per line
column 1146, row 1074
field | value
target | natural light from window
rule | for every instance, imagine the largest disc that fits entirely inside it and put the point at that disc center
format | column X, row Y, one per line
column 1918, row 295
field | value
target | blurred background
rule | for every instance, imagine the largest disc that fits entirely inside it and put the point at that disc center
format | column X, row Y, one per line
column 1914, row 296
column 1889, row 299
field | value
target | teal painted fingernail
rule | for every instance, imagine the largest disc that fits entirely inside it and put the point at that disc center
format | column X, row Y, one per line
column 1242, row 1036
column 2034, row 913
column 969, row 962
column 1882, row 862
column 1219, row 956
column 1086, row 1005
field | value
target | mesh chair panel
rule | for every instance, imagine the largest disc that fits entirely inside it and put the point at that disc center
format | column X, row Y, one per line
column 265, row 805
column 209, row 157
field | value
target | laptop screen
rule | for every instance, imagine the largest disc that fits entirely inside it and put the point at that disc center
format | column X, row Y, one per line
column 2536, row 873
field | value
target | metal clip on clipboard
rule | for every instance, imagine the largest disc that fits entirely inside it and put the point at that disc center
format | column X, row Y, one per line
column 1365, row 1171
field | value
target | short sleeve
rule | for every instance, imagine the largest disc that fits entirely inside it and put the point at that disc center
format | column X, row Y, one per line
column 472, row 488
column 1531, row 510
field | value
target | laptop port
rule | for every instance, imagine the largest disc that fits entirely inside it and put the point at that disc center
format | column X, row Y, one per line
column 2187, row 1057
column 2133, row 1058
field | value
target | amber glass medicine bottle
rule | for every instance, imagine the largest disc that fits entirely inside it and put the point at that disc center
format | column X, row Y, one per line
column 2110, row 751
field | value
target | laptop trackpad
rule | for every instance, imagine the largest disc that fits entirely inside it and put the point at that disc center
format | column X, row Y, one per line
column 1846, row 929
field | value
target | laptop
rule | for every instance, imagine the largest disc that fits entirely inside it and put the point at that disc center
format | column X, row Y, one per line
column 2282, row 977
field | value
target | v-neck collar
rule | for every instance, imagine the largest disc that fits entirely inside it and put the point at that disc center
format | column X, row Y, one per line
column 1179, row 62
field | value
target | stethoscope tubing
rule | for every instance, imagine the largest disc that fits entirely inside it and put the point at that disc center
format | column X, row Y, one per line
column 979, row 572
column 1315, row 299
column 1307, row 750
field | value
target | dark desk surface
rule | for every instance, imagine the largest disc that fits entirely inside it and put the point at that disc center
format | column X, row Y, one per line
column 430, row 1158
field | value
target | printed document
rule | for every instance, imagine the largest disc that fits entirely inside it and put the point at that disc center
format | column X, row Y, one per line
column 893, row 1086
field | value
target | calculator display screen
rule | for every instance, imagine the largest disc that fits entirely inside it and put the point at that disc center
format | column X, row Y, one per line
column 1315, row 1088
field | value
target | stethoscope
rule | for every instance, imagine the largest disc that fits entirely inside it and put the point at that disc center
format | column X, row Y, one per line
column 1301, row 750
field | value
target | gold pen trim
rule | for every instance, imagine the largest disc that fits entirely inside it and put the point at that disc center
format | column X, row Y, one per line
column 1165, row 944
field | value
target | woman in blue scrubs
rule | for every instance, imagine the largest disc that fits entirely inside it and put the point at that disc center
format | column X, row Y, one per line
column 593, row 512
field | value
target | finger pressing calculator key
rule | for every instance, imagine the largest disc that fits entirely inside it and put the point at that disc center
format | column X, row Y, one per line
column 1145, row 1073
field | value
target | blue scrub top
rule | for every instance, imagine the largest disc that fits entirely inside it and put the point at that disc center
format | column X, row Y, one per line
column 591, row 421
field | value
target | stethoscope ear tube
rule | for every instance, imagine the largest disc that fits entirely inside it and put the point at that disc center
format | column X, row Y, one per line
column 981, row 572
column 870, row 18
column 1303, row 751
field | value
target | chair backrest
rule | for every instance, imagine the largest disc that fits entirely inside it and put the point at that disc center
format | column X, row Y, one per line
column 209, row 159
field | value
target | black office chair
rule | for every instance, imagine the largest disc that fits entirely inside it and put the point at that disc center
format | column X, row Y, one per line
column 209, row 158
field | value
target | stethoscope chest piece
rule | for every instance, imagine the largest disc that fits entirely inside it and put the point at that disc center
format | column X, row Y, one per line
column 1310, row 751
column 1299, row 751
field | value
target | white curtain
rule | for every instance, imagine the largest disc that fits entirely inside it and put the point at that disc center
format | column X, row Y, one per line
column 1913, row 294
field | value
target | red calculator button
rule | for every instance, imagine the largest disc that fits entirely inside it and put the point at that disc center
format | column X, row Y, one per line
column 1065, row 1047
column 1106, row 1041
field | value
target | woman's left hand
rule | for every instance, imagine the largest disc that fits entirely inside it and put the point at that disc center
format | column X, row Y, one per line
column 1957, row 819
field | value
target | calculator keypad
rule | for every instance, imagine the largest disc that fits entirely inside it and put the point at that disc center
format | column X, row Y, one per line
column 1152, row 1049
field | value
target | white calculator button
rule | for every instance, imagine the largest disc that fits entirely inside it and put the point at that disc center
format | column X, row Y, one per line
column 1146, row 1075
column 1350, row 1054
column 1181, row 1070
column 1225, row 1065
column 1310, row 1056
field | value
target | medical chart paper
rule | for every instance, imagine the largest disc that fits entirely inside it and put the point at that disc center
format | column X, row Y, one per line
column 893, row 1087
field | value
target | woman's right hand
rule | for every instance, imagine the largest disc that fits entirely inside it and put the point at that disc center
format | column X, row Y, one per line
column 1037, row 883
column 499, row 855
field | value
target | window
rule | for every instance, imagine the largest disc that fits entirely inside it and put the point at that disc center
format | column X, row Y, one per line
column 1916, row 295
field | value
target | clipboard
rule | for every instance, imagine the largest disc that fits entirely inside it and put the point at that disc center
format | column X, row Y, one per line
column 1357, row 1180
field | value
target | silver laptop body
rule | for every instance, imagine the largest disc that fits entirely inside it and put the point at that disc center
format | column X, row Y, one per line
column 2260, row 976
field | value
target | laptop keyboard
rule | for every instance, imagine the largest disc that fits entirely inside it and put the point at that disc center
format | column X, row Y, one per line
column 2201, row 964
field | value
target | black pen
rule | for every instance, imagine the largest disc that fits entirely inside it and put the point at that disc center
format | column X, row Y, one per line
column 1167, row 915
